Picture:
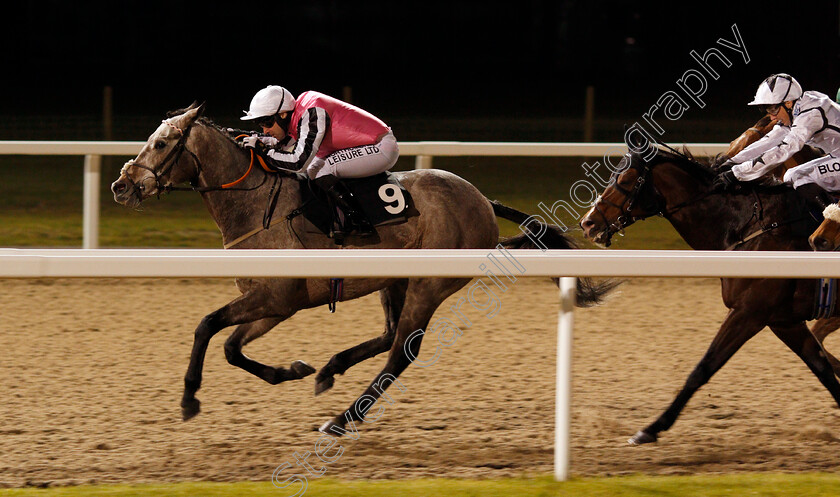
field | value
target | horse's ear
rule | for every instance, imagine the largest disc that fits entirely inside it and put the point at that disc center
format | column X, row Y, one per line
column 193, row 112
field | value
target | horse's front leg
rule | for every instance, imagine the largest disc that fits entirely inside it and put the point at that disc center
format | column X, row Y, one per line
column 247, row 332
column 423, row 297
column 739, row 326
column 246, row 308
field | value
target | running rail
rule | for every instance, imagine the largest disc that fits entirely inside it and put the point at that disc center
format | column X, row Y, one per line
column 367, row 263
column 424, row 153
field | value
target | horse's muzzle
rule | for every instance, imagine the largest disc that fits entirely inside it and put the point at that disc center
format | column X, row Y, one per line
column 126, row 192
column 821, row 244
column 593, row 232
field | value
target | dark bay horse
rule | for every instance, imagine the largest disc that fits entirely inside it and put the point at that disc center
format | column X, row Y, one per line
column 452, row 214
column 755, row 218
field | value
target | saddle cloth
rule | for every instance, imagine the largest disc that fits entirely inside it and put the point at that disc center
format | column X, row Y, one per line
column 382, row 197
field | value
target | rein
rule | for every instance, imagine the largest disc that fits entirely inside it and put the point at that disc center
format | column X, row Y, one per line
column 226, row 186
column 174, row 155
column 631, row 195
column 624, row 219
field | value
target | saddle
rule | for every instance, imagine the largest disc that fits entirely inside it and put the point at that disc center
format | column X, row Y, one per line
column 383, row 199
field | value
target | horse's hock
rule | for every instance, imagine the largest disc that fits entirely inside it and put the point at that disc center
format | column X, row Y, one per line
column 91, row 381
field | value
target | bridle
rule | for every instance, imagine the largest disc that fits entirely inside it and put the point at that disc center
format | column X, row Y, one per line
column 632, row 194
column 174, row 155
column 169, row 161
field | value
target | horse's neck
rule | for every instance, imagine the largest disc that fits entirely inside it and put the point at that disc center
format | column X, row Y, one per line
column 240, row 210
column 705, row 221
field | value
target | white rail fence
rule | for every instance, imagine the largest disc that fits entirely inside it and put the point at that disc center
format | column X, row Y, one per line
column 423, row 151
column 19, row 263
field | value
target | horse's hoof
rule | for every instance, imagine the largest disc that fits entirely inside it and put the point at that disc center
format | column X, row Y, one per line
column 332, row 428
column 641, row 437
column 301, row 369
column 324, row 384
column 190, row 408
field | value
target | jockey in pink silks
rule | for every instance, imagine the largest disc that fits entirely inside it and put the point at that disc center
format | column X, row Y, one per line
column 328, row 138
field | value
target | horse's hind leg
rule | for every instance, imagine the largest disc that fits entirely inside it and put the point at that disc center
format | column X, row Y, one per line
column 247, row 332
column 738, row 327
column 799, row 339
column 393, row 299
column 422, row 299
column 822, row 328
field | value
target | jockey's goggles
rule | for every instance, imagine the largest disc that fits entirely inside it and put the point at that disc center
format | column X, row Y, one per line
column 266, row 122
column 770, row 109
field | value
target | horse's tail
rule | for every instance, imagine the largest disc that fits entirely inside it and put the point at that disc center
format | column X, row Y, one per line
column 589, row 292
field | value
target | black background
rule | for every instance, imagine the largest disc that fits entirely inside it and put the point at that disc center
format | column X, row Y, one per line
column 428, row 59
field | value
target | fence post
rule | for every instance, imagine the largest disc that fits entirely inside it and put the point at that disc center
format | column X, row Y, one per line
column 563, row 393
column 423, row 162
column 90, row 211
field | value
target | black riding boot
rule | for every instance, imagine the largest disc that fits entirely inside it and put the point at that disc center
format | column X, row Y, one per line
column 342, row 196
column 815, row 196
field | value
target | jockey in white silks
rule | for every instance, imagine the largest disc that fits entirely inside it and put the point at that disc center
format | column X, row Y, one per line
column 803, row 117
column 327, row 138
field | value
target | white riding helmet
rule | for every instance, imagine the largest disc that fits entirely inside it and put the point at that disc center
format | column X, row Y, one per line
column 776, row 89
column 269, row 101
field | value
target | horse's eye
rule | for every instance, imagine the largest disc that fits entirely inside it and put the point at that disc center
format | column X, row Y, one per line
column 160, row 144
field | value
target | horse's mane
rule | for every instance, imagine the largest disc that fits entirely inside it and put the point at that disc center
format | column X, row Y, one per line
column 685, row 160
column 698, row 169
column 206, row 121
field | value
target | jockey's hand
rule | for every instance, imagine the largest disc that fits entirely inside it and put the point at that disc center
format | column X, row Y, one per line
column 254, row 142
column 725, row 182
column 724, row 165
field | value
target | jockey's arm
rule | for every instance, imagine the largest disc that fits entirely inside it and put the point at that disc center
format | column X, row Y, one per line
column 312, row 128
column 792, row 141
column 763, row 144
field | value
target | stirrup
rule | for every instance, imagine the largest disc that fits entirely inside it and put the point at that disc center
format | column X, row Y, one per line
column 357, row 227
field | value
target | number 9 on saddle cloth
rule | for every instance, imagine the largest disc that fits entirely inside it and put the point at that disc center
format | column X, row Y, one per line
column 382, row 197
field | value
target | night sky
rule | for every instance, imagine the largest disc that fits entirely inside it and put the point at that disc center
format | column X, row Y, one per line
column 432, row 58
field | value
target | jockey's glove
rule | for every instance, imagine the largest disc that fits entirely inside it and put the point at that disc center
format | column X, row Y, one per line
column 725, row 182
column 255, row 143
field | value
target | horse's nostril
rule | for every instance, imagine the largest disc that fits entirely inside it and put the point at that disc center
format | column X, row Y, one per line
column 118, row 187
column 820, row 243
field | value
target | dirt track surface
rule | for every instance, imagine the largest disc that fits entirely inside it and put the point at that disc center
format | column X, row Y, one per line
column 92, row 373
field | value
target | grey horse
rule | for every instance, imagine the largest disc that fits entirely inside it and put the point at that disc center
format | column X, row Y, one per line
column 188, row 147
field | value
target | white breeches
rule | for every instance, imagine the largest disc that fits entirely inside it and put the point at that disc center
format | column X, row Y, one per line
column 357, row 162
column 824, row 171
